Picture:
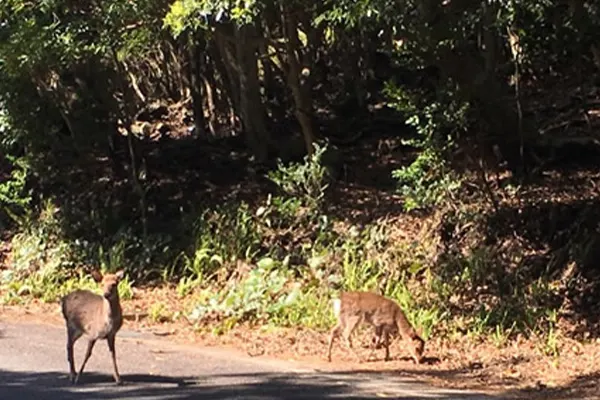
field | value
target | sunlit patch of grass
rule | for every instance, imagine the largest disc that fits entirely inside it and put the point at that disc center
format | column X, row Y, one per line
column 160, row 312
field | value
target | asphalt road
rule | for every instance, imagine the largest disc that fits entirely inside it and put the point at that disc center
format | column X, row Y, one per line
column 33, row 365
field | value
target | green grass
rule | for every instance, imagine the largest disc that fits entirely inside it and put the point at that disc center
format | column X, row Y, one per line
column 50, row 286
column 239, row 266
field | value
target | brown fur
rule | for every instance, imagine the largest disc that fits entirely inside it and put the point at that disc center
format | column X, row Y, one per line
column 383, row 314
column 99, row 317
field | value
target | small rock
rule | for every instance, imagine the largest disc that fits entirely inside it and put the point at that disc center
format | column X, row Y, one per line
column 540, row 385
column 476, row 365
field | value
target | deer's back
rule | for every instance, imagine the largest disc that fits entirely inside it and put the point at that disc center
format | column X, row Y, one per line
column 377, row 310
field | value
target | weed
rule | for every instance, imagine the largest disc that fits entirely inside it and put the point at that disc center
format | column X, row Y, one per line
column 279, row 212
column 49, row 285
column 14, row 196
column 187, row 285
column 267, row 293
column 296, row 258
column 159, row 313
column 222, row 236
column 202, row 263
column 40, row 245
column 126, row 288
column 479, row 323
column 306, row 181
column 127, row 250
column 550, row 345
column 359, row 272
column 500, row 335
column 310, row 308
column 428, row 180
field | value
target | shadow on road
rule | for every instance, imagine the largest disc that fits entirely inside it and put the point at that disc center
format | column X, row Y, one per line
column 581, row 387
column 55, row 386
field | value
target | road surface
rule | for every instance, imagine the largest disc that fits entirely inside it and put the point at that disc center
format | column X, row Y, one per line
column 33, row 365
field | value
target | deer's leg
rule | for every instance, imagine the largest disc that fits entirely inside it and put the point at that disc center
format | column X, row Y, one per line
column 72, row 336
column 335, row 333
column 386, row 343
column 377, row 338
column 376, row 342
column 350, row 325
column 88, row 353
column 113, row 353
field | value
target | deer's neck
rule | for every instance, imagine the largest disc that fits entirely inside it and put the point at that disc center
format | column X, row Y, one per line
column 404, row 326
column 112, row 307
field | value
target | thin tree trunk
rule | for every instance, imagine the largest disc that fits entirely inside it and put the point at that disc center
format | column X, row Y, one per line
column 228, row 64
column 300, row 90
column 250, row 101
column 195, row 47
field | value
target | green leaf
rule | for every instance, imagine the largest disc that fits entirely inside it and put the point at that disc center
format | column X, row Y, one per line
column 266, row 263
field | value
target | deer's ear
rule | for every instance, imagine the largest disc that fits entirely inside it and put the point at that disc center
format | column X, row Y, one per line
column 96, row 275
column 120, row 274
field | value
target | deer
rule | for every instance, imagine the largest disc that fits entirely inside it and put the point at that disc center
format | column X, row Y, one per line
column 96, row 316
column 385, row 315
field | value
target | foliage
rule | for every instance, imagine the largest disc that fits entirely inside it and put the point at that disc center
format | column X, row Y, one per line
column 50, row 285
column 428, row 180
column 281, row 212
column 41, row 246
column 45, row 262
column 14, row 195
column 306, row 181
column 268, row 293
column 195, row 14
column 159, row 312
column 221, row 236
column 279, row 292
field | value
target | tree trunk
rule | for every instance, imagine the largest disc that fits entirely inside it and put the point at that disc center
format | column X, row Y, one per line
column 297, row 83
column 227, row 62
column 251, row 104
column 223, row 73
column 196, row 46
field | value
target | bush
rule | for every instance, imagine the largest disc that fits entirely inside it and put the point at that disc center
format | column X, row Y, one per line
column 265, row 294
column 305, row 181
column 428, row 180
column 222, row 236
column 15, row 198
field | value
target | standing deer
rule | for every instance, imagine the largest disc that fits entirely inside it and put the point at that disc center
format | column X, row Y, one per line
column 385, row 315
column 99, row 317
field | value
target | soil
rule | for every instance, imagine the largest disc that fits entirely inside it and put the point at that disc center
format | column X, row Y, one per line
column 518, row 369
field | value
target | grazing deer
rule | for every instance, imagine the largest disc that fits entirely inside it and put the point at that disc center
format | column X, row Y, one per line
column 383, row 314
column 99, row 317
